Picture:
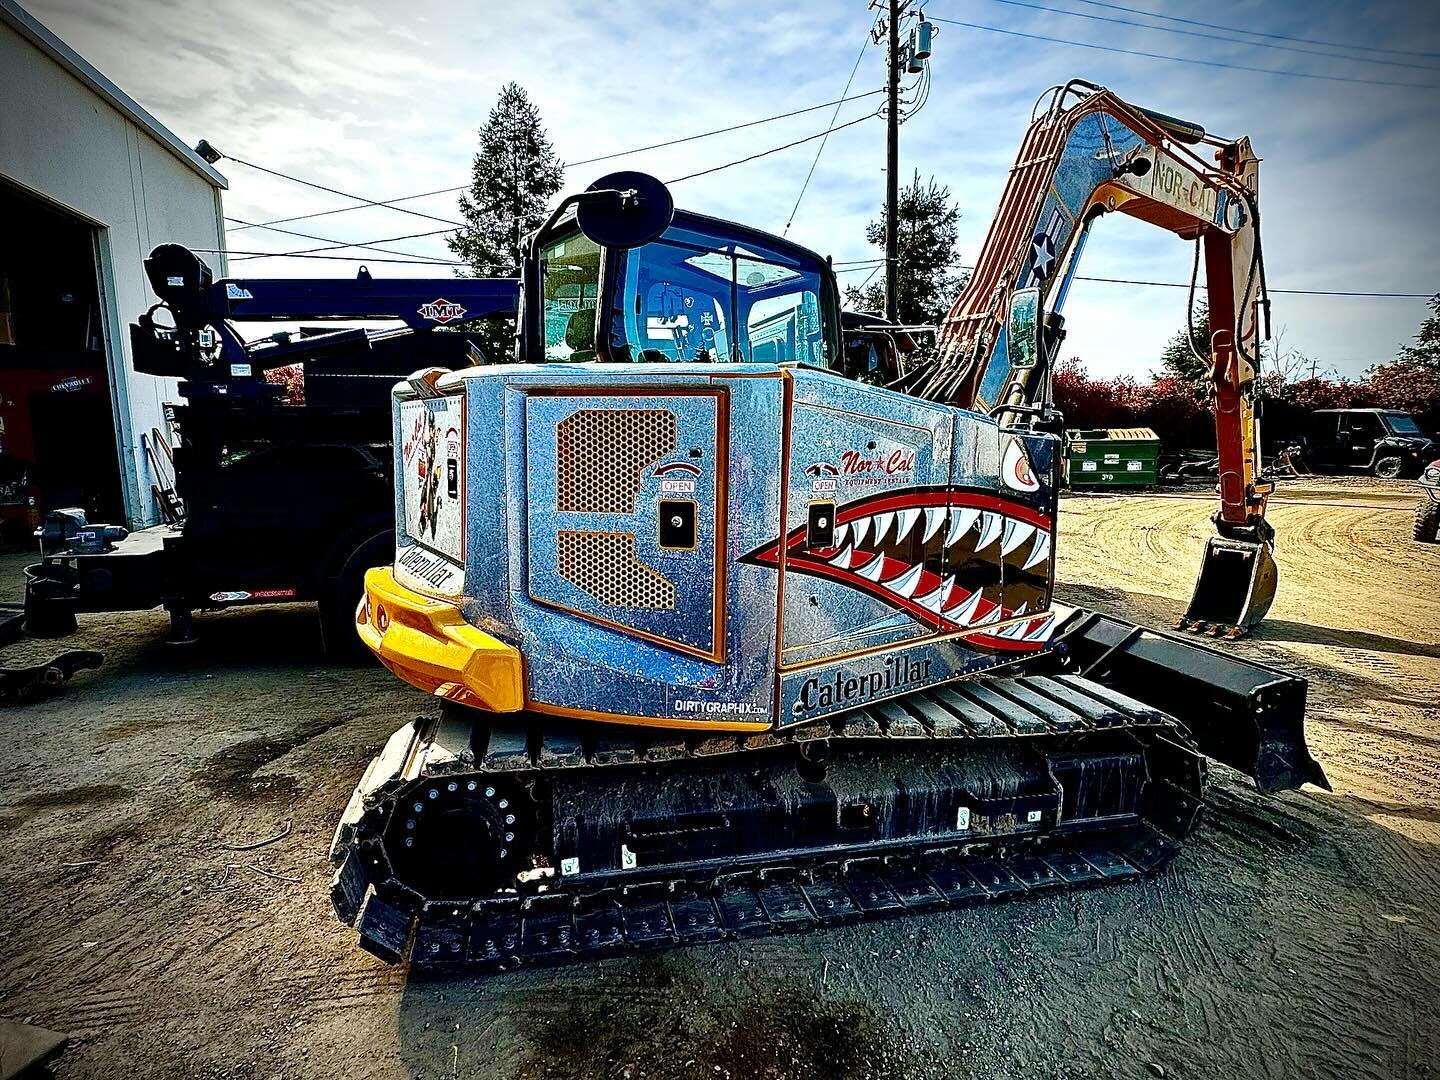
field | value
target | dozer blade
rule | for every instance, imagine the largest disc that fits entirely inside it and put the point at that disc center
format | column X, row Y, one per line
column 1235, row 588
column 1247, row 715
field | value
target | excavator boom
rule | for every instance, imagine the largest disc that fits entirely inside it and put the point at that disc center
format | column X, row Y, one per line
column 1089, row 153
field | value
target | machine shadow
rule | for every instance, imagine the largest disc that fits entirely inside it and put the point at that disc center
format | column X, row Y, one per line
column 1284, row 630
column 993, row 989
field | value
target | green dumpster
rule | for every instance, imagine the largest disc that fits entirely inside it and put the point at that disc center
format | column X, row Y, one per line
column 1111, row 457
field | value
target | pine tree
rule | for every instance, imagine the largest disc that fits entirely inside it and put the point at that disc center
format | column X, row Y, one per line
column 513, row 179
column 927, row 275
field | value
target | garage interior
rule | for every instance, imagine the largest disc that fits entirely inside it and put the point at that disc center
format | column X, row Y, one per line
column 57, row 420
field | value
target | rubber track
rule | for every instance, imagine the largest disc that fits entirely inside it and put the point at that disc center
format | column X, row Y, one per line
column 564, row 924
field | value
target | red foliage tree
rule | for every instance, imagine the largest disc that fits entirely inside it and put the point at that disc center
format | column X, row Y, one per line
column 292, row 378
column 1408, row 386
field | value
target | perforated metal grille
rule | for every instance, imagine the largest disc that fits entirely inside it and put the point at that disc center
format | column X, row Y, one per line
column 604, row 565
column 601, row 454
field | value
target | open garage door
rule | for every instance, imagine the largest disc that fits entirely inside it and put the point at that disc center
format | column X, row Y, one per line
column 57, row 423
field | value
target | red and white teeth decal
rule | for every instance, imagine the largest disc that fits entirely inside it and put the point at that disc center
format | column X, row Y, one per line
column 1026, row 634
column 885, row 546
column 1015, row 471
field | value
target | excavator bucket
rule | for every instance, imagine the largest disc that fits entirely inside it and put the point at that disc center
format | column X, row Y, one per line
column 1235, row 588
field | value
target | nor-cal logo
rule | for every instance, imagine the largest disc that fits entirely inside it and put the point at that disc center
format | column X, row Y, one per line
column 441, row 311
column 877, row 467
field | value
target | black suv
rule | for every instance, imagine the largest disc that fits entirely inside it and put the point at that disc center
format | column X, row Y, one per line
column 1386, row 442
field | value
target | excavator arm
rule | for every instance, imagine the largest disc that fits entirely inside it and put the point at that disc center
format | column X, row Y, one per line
column 1089, row 153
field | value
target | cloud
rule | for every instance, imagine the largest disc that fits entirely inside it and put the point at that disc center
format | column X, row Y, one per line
column 384, row 100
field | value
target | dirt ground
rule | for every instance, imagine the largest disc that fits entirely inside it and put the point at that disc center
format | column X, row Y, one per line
column 1297, row 936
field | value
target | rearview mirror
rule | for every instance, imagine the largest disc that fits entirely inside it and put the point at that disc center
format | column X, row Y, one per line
column 1022, row 333
column 637, row 210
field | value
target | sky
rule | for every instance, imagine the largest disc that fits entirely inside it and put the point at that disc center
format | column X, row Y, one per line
column 384, row 100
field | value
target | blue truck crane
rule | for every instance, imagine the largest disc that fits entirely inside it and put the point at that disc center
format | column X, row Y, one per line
column 273, row 501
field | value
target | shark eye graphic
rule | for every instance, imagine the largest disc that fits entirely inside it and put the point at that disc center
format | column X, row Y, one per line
column 1015, row 469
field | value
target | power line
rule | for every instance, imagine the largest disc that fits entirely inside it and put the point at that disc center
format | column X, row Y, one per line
column 1257, row 33
column 391, row 203
column 833, row 117
column 1185, row 59
column 704, row 172
column 851, row 266
column 242, row 256
column 1287, row 292
column 347, row 209
column 340, row 246
column 773, row 150
column 313, row 236
column 1213, row 37
column 343, row 194
column 734, row 127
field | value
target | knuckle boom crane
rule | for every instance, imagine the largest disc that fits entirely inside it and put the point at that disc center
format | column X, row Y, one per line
column 728, row 640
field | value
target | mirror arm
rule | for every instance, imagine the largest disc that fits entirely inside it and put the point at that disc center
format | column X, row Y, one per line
column 530, row 276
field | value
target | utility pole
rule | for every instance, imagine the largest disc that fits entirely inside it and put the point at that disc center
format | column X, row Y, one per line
column 892, row 165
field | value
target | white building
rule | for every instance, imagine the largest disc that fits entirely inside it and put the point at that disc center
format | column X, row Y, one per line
column 89, row 184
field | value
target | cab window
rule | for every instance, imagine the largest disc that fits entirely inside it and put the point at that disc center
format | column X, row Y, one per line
column 1401, row 424
column 694, row 296
column 570, row 275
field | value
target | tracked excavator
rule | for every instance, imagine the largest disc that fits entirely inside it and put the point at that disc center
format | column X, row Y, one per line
column 737, row 627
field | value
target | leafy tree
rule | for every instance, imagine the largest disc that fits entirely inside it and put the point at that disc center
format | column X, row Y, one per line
column 1425, row 353
column 927, row 276
column 1179, row 360
column 512, row 180
column 1411, row 382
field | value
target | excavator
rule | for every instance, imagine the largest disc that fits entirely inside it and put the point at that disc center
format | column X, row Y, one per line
column 736, row 629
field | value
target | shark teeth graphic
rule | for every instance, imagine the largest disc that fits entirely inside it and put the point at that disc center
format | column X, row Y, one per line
column 882, row 526
column 990, row 526
column 860, row 527
column 1040, row 552
column 962, row 615
column 871, row 570
column 935, row 599
column 1043, row 630
column 904, row 585
column 991, row 616
column 907, row 519
column 934, row 518
column 961, row 518
column 1014, row 632
column 895, row 547
column 1016, row 533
